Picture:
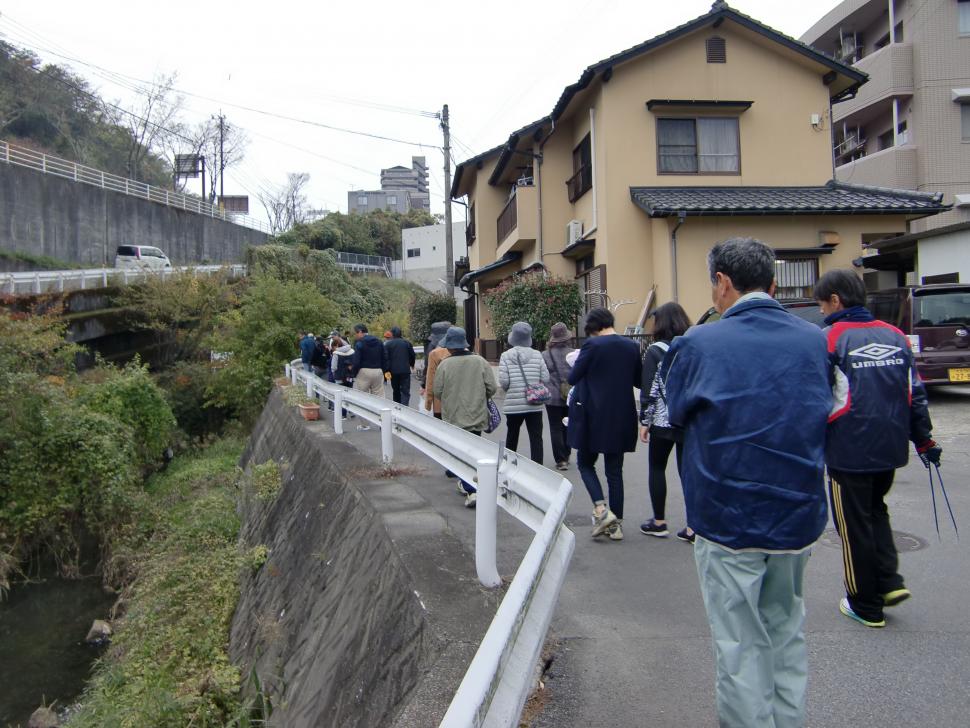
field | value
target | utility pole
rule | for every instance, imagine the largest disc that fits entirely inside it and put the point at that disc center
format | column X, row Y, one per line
column 222, row 162
column 449, row 243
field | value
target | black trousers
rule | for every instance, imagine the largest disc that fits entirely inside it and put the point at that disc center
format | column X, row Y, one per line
column 533, row 424
column 869, row 556
column 401, row 388
column 658, row 453
column 557, row 432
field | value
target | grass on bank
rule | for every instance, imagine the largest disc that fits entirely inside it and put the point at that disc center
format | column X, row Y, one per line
column 168, row 664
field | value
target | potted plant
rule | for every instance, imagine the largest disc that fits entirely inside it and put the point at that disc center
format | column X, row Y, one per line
column 309, row 406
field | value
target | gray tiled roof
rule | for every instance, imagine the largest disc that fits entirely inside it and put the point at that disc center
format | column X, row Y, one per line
column 834, row 198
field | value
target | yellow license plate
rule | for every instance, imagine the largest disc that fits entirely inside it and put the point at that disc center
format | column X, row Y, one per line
column 959, row 375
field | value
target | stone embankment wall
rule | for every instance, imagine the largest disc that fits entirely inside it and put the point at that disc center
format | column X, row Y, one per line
column 367, row 611
column 41, row 214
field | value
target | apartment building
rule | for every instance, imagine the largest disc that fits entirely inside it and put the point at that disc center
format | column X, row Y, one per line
column 717, row 128
column 402, row 189
column 909, row 126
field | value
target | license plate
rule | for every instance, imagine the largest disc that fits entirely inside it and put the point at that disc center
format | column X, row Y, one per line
column 959, row 375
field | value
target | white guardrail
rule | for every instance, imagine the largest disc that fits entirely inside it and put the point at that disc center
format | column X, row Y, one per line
column 23, row 157
column 498, row 680
column 44, row 281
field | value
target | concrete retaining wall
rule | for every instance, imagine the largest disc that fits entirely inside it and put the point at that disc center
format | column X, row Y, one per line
column 367, row 611
column 42, row 214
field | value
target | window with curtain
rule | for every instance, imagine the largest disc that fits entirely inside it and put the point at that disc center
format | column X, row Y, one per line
column 703, row 145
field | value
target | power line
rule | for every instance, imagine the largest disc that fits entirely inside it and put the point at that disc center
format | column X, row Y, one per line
column 250, row 109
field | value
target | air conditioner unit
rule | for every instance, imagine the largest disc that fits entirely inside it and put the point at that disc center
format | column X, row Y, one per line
column 574, row 231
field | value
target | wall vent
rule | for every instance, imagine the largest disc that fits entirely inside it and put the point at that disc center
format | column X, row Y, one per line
column 716, row 49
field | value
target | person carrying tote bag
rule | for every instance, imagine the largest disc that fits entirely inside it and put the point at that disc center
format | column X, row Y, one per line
column 521, row 368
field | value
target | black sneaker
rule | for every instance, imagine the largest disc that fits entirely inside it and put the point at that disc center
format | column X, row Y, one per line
column 685, row 535
column 652, row 528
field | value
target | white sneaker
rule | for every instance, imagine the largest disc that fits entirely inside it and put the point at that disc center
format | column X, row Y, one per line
column 601, row 524
column 461, row 488
column 470, row 500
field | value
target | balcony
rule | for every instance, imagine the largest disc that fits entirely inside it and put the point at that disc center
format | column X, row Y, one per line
column 890, row 72
column 516, row 225
column 894, row 167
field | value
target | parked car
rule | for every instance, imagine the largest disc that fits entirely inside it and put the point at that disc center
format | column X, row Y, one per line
column 936, row 319
column 141, row 257
column 806, row 308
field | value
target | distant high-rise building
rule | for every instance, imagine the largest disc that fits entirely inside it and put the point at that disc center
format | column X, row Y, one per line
column 402, row 189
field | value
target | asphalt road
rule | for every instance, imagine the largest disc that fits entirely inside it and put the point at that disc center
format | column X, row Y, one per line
column 631, row 641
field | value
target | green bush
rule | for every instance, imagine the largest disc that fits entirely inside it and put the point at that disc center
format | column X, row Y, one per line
column 64, row 469
column 260, row 336
column 185, row 384
column 426, row 309
column 535, row 298
column 35, row 343
column 131, row 397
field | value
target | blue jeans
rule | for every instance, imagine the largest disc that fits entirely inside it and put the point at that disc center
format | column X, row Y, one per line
column 586, row 462
column 757, row 615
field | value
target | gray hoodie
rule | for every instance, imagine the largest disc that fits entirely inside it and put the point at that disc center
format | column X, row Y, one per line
column 343, row 355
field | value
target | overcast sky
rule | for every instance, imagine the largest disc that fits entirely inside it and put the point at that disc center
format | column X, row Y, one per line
column 498, row 65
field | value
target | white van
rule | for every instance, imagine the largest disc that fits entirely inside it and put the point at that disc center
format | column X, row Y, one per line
column 141, row 256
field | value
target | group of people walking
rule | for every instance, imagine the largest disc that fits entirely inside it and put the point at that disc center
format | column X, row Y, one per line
column 756, row 406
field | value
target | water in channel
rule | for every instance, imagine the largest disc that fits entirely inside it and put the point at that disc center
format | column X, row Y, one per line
column 42, row 650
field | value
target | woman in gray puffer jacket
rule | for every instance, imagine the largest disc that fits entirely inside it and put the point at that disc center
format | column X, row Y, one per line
column 518, row 368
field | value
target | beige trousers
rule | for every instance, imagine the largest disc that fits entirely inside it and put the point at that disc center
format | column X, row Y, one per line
column 370, row 381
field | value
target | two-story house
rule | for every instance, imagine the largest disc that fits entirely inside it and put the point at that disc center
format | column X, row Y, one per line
column 909, row 126
column 718, row 128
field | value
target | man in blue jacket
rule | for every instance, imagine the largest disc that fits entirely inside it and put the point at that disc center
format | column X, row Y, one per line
column 880, row 405
column 307, row 346
column 369, row 363
column 752, row 394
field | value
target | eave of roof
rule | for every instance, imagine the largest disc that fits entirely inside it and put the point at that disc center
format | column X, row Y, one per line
column 719, row 11
column 472, row 276
column 460, row 169
column 834, row 198
column 510, row 146
column 903, row 241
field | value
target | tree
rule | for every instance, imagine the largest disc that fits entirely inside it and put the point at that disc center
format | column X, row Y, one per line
column 286, row 206
column 151, row 120
column 535, row 298
column 426, row 309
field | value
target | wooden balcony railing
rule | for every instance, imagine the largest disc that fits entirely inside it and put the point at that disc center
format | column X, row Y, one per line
column 508, row 220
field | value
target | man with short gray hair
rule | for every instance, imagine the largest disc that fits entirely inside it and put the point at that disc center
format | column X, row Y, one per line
column 752, row 394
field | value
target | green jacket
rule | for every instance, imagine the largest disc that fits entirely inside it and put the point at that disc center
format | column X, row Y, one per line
column 464, row 382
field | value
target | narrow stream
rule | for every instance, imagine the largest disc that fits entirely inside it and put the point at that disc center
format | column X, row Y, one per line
column 42, row 650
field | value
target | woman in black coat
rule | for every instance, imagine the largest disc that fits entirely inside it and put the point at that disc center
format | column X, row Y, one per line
column 603, row 416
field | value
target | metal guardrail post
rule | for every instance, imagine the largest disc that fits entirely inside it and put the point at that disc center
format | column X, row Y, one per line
column 36, row 282
column 309, row 387
column 292, row 375
column 486, row 519
column 338, row 413
column 387, row 435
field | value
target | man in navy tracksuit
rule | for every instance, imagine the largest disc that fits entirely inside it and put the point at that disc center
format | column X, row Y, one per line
column 880, row 404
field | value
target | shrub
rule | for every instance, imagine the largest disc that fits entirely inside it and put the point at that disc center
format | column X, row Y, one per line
column 185, row 384
column 426, row 309
column 35, row 343
column 260, row 336
column 535, row 298
column 130, row 396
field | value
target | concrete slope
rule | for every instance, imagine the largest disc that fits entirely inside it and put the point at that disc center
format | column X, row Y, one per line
column 367, row 611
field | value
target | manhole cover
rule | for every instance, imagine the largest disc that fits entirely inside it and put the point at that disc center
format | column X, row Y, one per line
column 904, row 541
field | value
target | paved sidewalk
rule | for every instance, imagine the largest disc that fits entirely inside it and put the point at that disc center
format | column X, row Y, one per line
column 633, row 646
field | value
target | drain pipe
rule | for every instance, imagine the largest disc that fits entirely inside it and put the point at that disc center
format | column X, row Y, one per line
column 681, row 216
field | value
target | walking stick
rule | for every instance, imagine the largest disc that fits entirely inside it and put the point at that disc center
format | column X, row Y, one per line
column 946, row 500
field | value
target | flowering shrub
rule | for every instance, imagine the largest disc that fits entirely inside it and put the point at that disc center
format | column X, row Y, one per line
column 537, row 299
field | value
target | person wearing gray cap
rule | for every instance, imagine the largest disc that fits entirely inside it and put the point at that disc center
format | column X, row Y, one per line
column 463, row 383
column 438, row 330
column 518, row 369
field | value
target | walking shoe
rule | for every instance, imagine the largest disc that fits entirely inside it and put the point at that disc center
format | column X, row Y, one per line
column 685, row 535
column 847, row 611
column 896, row 596
column 461, row 488
column 601, row 524
column 470, row 500
column 652, row 528
column 562, row 466
column 616, row 531
column 449, row 474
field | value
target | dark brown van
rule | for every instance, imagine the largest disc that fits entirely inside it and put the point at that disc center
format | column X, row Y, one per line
column 936, row 319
